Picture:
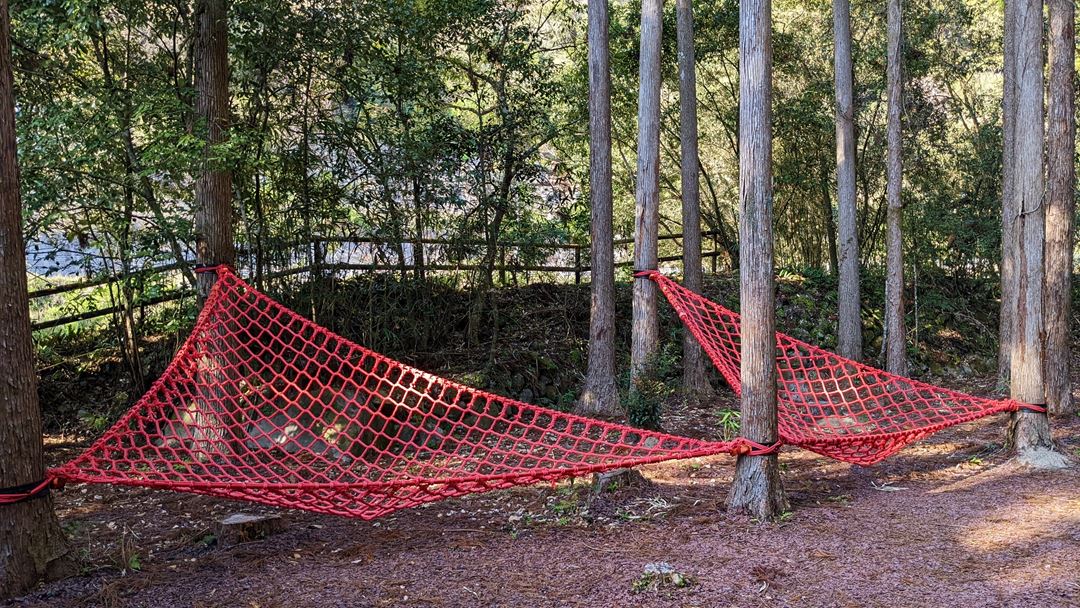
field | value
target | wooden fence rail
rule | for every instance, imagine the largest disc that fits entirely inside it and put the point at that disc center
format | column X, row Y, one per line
column 578, row 269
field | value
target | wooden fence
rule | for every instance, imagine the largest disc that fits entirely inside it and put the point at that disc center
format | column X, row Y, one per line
column 324, row 250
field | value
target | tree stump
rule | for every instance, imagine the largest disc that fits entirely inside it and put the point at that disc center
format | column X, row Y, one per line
column 246, row 527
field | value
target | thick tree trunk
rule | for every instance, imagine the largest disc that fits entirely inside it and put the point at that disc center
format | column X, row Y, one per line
column 213, row 206
column 647, row 209
column 213, row 190
column 895, row 334
column 756, row 488
column 32, row 547
column 850, row 321
column 1060, row 205
column 600, row 396
column 1007, row 319
column 1029, row 432
column 695, row 383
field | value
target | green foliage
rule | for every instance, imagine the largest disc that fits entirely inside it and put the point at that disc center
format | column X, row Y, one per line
column 467, row 120
column 729, row 422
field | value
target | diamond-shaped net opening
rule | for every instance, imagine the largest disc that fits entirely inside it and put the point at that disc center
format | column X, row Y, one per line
column 826, row 403
column 264, row 405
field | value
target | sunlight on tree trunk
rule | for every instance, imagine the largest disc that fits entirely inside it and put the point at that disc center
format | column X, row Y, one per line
column 756, row 488
column 1029, row 432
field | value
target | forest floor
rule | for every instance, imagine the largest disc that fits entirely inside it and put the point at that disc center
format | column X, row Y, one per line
column 950, row 521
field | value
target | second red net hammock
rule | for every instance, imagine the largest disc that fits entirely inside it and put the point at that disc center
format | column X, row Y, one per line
column 264, row 405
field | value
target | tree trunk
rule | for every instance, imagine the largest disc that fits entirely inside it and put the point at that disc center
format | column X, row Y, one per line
column 850, row 321
column 1007, row 321
column 32, row 547
column 1029, row 432
column 756, row 488
column 895, row 334
column 213, row 207
column 695, row 383
column 1060, row 205
column 213, row 190
column 600, row 395
column 647, row 210
column 418, row 228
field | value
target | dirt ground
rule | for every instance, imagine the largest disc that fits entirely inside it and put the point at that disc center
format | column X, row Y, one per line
column 947, row 522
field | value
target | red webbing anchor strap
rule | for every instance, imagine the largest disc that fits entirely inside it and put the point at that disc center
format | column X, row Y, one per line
column 28, row 491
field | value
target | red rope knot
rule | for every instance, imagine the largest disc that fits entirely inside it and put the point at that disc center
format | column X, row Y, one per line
column 1014, row 405
column 646, row 274
column 742, row 446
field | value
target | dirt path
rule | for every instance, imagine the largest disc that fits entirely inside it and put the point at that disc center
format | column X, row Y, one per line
column 947, row 522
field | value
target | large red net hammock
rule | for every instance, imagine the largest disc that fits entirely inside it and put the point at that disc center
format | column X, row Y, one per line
column 261, row 404
column 828, row 404
column 264, row 405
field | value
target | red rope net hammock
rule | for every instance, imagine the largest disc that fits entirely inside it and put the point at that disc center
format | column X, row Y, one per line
column 261, row 404
column 826, row 403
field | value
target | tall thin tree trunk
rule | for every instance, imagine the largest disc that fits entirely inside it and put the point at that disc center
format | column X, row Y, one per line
column 1029, row 432
column 418, row 227
column 213, row 206
column 213, row 190
column 895, row 334
column 829, row 220
column 32, row 547
column 850, row 321
column 1060, row 205
column 647, row 210
column 756, row 488
column 600, row 395
column 1007, row 320
column 695, row 383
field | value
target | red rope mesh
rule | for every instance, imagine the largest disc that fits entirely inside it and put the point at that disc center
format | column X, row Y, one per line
column 826, row 403
column 261, row 404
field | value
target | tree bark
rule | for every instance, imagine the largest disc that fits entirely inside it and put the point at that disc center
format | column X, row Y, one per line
column 1060, row 205
column 756, row 488
column 850, row 320
column 647, row 209
column 32, row 546
column 895, row 334
column 1029, row 432
column 600, row 395
column 213, row 207
column 1007, row 321
column 213, row 190
column 695, row 383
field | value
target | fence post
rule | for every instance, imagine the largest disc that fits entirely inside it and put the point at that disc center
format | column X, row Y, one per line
column 577, row 265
